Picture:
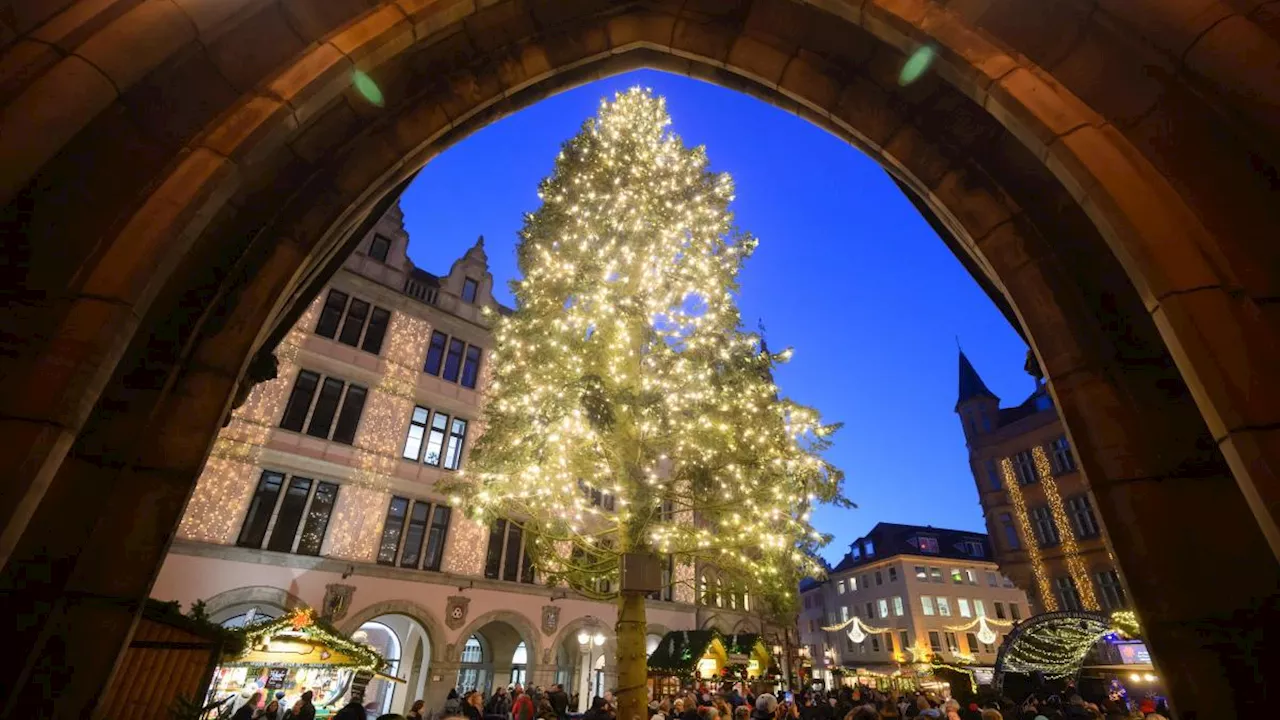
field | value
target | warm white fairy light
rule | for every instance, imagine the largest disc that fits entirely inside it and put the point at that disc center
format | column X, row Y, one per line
column 624, row 372
column 1075, row 564
column 226, row 482
column 357, row 523
column 1047, row 600
column 466, row 547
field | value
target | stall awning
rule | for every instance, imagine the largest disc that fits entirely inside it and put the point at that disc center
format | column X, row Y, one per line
column 300, row 640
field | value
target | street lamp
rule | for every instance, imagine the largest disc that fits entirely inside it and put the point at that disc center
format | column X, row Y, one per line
column 587, row 641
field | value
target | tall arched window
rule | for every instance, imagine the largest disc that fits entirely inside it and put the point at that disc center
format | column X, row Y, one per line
column 520, row 665
column 473, row 675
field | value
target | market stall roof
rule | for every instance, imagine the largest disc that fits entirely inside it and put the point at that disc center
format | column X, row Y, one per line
column 299, row 639
column 680, row 650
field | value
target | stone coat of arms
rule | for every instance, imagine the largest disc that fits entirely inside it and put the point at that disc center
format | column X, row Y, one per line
column 455, row 611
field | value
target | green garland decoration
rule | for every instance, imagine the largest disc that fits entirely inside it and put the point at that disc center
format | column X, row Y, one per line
column 303, row 622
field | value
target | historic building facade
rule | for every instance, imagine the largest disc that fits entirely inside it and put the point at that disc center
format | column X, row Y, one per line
column 320, row 492
column 1038, row 505
column 905, row 594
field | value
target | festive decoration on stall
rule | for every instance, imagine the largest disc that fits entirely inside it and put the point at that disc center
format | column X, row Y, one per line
column 304, row 639
column 1125, row 622
column 1066, row 534
column 625, row 393
column 1047, row 598
column 680, row 651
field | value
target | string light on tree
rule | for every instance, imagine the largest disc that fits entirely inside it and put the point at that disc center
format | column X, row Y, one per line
column 624, row 373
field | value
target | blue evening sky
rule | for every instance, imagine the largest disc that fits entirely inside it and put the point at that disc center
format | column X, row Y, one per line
column 847, row 273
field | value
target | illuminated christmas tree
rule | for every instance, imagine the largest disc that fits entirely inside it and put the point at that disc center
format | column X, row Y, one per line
column 628, row 413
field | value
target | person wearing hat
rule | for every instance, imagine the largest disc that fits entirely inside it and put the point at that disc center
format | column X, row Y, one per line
column 766, row 706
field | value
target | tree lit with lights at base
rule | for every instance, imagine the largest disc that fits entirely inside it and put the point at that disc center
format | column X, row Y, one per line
column 624, row 375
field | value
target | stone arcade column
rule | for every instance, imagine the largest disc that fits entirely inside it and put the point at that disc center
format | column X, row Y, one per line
column 441, row 678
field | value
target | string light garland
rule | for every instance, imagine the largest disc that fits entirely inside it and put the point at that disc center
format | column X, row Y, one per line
column 983, row 623
column 301, row 623
column 1047, row 599
column 1075, row 564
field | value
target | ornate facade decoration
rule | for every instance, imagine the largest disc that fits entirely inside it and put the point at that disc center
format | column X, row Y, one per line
column 456, row 611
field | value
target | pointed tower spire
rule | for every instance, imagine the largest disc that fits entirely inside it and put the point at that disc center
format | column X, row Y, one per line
column 477, row 252
column 971, row 385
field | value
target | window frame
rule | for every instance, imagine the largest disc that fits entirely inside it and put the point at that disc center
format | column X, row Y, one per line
column 1024, row 468
column 373, row 243
column 305, row 514
column 339, row 414
column 402, row 532
column 474, row 286
column 1062, row 459
column 504, row 549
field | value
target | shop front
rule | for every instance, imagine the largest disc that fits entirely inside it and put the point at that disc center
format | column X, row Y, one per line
column 287, row 657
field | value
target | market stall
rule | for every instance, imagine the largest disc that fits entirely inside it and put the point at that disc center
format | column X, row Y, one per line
column 692, row 657
column 286, row 657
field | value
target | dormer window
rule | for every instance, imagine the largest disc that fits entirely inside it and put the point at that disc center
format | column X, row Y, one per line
column 379, row 247
column 469, row 288
column 856, row 551
column 868, row 549
column 925, row 544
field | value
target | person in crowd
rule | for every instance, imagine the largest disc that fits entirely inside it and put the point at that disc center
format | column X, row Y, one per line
column 418, row 711
column 546, row 711
column 766, row 706
column 690, row 711
column 927, row 709
column 247, row 710
column 471, row 706
column 735, row 699
column 499, row 705
column 353, row 710
column 391, row 716
column 889, row 709
column 992, row 714
column 559, row 700
column 270, row 712
column 453, row 703
column 598, row 711
column 522, row 708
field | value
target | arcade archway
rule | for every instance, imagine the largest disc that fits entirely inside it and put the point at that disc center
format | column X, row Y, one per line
column 1121, row 209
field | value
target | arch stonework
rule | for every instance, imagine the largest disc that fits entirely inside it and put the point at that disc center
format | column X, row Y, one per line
column 523, row 627
column 1123, row 208
column 435, row 632
column 254, row 594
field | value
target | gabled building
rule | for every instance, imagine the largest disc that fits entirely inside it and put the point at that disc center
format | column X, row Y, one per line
column 1037, row 503
column 905, row 594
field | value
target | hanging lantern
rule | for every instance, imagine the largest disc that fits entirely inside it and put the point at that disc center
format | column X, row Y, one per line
column 856, row 633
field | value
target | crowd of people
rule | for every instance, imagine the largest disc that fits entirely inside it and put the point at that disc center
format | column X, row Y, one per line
column 732, row 702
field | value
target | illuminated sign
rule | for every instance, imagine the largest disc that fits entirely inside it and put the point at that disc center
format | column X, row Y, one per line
column 1134, row 653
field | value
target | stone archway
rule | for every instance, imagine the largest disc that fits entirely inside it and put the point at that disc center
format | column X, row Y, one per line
column 226, row 601
column 1116, row 206
column 419, row 614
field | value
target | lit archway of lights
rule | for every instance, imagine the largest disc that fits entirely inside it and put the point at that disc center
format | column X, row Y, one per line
column 1054, row 644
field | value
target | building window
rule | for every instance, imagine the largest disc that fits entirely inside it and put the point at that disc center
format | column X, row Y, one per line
column 926, row 604
column 868, row 548
column 973, row 548
column 979, row 609
column 1015, row 613
column 440, row 429
column 903, row 640
column 866, row 582
column 897, row 606
column 469, row 288
column 926, row 544
column 508, row 556
column 953, row 645
column 935, row 642
column 971, row 576
column 962, row 604
column 471, row 367
column 1042, row 523
column 320, row 510
column 893, row 574
column 935, row 574
column 1011, row 539
column 839, row 587
column 435, row 353
column 993, row 475
column 666, row 590
column 992, row 581
column 875, row 643
column 871, row 611
column 1113, row 597
column 1063, row 461
column 855, row 551
column 957, row 576
column 1081, row 512
column 378, row 247
column 922, row 574
column 1024, row 467
column 1000, row 611
column 879, row 578
column 414, row 537
column 336, row 398
column 944, row 606
column 853, row 584
column 261, row 507
column 352, row 321
column 884, row 607
column 972, row 641
column 1064, row 588
column 450, row 358
column 453, row 452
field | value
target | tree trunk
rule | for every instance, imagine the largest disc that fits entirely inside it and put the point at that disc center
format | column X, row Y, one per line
column 633, row 662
